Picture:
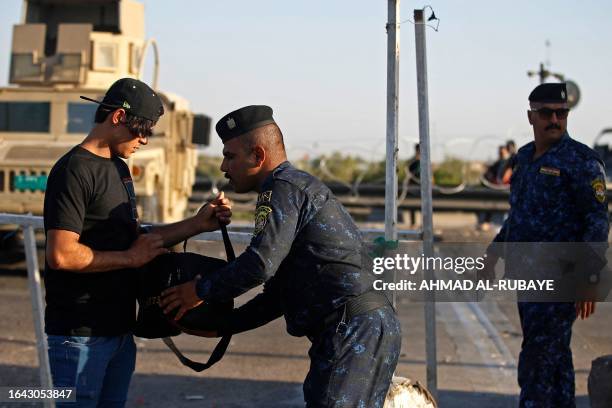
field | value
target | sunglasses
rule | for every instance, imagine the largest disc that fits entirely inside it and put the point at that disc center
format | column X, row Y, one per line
column 134, row 131
column 546, row 113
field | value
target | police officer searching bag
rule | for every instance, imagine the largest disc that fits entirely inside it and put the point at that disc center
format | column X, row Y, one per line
column 308, row 254
column 172, row 269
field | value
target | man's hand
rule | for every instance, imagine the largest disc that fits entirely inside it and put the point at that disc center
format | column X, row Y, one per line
column 585, row 309
column 182, row 296
column 586, row 293
column 145, row 249
column 215, row 213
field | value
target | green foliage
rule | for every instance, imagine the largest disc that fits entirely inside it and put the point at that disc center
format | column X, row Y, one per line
column 337, row 167
column 209, row 166
column 375, row 172
column 449, row 173
column 347, row 169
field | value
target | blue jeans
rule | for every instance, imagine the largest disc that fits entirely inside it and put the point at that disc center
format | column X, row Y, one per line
column 99, row 367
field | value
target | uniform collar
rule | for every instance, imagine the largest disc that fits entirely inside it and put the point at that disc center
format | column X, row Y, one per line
column 268, row 180
column 530, row 148
column 281, row 167
column 562, row 142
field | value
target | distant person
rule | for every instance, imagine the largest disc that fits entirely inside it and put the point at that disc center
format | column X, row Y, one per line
column 414, row 165
column 94, row 247
column 510, row 163
column 511, row 147
column 558, row 194
column 495, row 171
column 494, row 175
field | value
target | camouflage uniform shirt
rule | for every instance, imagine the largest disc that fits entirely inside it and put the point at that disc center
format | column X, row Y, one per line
column 305, row 248
column 558, row 197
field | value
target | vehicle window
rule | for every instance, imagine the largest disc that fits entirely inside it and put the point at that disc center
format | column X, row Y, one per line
column 80, row 117
column 24, row 116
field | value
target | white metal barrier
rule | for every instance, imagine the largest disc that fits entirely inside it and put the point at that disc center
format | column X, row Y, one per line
column 29, row 224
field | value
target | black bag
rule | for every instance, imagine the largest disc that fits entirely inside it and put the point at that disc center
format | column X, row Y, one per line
column 204, row 320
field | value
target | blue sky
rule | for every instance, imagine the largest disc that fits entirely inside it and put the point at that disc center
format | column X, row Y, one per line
column 321, row 65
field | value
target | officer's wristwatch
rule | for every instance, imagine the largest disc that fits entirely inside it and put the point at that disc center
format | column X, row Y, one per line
column 144, row 228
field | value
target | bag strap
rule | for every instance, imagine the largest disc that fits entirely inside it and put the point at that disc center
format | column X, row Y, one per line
column 221, row 347
column 229, row 250
column 216, row 355
column 128, row 183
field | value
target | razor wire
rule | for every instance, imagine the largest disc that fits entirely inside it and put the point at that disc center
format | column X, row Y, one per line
column 368, row 161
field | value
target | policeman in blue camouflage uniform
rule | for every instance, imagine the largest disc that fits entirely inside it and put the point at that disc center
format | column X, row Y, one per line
column 307, row 252
column 558, row 194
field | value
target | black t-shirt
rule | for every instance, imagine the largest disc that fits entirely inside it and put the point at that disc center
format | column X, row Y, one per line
column 87, row 194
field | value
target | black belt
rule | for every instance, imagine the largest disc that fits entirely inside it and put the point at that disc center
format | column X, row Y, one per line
column 355, row 306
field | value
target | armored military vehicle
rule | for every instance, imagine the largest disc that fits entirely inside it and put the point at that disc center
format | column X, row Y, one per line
column 66, row 48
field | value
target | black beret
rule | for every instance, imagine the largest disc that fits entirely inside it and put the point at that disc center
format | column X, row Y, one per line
column 243, row 120
column 549, row 93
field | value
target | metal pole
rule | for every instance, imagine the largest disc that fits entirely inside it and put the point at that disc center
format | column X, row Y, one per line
column 37, row 309
column 393, row 49
column 426, row 199
column 150, row 42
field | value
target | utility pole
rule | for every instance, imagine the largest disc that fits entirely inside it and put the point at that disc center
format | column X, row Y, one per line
column 393, row 52
column 426, row 197
column 573, row 91
column 543, row 72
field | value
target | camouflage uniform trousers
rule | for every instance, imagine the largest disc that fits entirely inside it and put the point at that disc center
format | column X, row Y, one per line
column 545, row 368
column 351, row 364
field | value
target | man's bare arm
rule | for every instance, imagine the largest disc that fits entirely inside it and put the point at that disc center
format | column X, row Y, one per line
column 177, row 232
column 65, row 252
column 207, row 219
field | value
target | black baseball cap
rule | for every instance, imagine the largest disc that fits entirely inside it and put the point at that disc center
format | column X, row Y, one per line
column 136, row 97
column 243, row 120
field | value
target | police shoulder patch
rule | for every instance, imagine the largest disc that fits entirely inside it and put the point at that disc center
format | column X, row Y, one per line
column 264, row 197
column 261, row 218
column 599, row 189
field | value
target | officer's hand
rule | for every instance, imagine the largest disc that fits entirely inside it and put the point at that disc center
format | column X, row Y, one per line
column 585, row 309
column 182, row 296
column 145, row 249
column 216, row 212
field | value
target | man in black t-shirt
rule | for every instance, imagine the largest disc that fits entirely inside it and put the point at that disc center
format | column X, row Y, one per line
column 94, row 246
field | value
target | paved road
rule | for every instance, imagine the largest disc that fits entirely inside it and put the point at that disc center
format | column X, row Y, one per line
column 477, row 349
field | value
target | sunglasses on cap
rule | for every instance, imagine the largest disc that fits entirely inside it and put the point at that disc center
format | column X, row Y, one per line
column 546, row 113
